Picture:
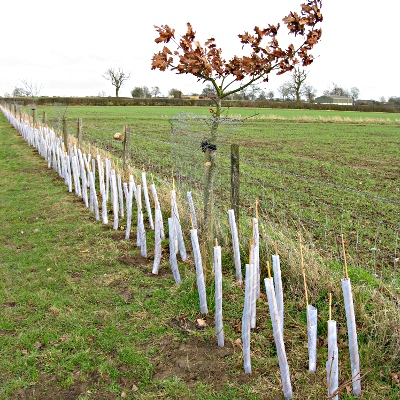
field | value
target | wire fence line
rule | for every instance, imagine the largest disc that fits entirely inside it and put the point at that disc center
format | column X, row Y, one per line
column 371, row 243
column 293, row 202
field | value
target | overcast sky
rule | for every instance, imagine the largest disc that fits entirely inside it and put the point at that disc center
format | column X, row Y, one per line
column 66, row 47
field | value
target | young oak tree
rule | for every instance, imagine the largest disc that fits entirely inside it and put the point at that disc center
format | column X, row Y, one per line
column 228, row 77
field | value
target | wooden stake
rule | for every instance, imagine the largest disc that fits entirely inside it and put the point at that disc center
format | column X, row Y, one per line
column 269, row 270
column 276, row 248
column 216, row 242
column 344, row 259
column 191, row 221
column 303, row 270
column 330, row 306
column 257, row 209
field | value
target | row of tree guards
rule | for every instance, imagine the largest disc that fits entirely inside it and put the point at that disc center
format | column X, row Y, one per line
column 87, row 175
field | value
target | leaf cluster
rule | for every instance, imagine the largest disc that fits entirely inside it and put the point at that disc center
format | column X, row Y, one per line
column 207, row 64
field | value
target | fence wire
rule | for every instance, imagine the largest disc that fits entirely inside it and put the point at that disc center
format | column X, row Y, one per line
column 293, row 202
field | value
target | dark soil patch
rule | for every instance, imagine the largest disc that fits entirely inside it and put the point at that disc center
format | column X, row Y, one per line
column 195, row 361
column 134, row 260
column 49, row 388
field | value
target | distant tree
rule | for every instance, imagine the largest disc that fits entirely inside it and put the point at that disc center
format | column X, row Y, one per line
column 137, row 92
column 262, row 96
column 286, row 91
column 336, row 90
column 382, row 99
column 18, row 92
column 141, row 92
column 293, row 88
column 155, row 91
column 208, row 90
column 116, row 77
column 253, row 91
column 175, row 93
column 28, row 89
column 32, row 89
column 393, row 100
column 270, row 95
column 309, row 93
column 102, row 94
column 354, row 93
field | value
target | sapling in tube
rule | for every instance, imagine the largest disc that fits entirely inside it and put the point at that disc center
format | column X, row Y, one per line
column 120, row 196
column 276, row 266
column 192, row 209
column 332, row 364
column 199, row 271
column 219, row 328
column 246, row 319
column 172, row 254
column 177, row 227
column 157, row 240
column 157, row 205
column 311, row 320
column 351, row 329
column 114, row 199
column 147, row 200
column 278, row 337
column 235, row 245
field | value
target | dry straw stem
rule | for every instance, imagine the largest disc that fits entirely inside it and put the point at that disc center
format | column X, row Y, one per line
column 346, row 272
column 303, row 270
column 343, row 386
column 268, row 269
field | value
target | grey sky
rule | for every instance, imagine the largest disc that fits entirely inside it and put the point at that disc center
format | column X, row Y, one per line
column 66, row 47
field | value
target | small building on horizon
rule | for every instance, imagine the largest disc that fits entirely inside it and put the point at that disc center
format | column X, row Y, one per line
column 341, row 100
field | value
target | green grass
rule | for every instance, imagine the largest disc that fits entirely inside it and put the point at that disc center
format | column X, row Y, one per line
column 82, row 316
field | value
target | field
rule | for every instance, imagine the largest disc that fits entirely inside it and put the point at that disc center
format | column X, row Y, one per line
column 83, row 317
column 321, row 172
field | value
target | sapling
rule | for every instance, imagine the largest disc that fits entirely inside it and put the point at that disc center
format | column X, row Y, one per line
column 172, row 253
column 147, row 200
column 219, row 327
column 235, row 245
column 278, row 336
column 246, row 319
column 351, row 329
column 332, row 364
column 199, row 270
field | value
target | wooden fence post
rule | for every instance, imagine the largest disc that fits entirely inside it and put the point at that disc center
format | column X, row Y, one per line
column 65, row 132
column 235, row 180
column 44, row 118
column 34, row 116
column 79, row 131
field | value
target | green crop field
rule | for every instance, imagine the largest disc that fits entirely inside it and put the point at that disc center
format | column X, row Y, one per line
column 324, row 172
column 82, row 316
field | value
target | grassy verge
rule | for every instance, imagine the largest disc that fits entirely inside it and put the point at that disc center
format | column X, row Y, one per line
column 82, row 317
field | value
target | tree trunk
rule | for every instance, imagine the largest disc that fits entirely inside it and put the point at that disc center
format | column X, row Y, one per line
column 210, row 169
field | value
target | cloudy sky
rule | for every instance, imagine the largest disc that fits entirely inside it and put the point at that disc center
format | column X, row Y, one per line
column 66, row 47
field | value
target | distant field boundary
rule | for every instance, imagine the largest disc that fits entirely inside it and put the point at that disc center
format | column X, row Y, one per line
column 169, row 102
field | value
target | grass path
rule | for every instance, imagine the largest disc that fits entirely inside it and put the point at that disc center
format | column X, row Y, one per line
column 82, row 317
